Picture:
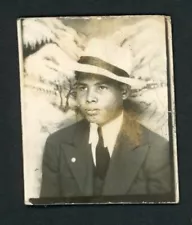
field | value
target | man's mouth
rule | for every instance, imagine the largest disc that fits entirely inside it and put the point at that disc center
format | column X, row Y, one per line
column 92, row 112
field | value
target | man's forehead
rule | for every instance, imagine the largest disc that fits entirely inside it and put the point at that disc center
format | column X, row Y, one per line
column 95, row 78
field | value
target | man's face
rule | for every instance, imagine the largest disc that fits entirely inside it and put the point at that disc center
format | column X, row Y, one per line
column 100, row 99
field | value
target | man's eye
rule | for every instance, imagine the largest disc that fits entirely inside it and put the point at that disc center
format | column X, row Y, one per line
column 82, row 88
column 103, row 87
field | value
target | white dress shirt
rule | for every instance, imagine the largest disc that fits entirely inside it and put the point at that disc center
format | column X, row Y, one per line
column 110, row 132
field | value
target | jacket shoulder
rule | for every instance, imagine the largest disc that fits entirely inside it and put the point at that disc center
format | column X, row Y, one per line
column 153, row 138
column 159, row 152
column 66, row 135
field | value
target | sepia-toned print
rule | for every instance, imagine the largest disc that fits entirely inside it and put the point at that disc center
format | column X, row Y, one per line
column 98, row 110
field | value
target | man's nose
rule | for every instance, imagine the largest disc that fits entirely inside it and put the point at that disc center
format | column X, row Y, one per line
column 91, row 96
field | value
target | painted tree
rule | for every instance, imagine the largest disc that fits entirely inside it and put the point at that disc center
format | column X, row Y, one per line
column 55, row 60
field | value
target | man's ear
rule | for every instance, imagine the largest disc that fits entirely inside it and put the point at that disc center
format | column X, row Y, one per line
column 125, row 90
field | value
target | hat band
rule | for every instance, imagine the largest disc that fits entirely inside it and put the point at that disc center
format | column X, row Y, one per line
column 94, row 61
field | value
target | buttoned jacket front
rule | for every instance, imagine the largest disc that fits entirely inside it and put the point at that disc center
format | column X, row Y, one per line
column 144, row 169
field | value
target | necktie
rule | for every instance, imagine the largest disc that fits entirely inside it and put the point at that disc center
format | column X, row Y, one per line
column 102, row 157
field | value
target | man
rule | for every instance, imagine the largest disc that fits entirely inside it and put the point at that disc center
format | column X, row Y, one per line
column 108, row 153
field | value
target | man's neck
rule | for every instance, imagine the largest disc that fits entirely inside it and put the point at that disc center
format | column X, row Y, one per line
column 110, row 132
column 118, row 117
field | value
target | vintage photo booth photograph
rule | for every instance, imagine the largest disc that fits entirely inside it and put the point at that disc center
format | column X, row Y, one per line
column 98, row 110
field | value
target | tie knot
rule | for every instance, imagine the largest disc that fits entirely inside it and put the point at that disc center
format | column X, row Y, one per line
column 99, row 130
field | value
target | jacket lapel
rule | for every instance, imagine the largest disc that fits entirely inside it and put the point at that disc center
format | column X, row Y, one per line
column 125, row 163
column 79, row 158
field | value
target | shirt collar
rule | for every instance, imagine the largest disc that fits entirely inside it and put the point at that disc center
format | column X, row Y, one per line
column 110, row 132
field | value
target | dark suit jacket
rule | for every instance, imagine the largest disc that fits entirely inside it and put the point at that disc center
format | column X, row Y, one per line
column 143, row 169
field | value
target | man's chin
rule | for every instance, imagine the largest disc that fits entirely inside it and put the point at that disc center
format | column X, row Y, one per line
column 92, row 119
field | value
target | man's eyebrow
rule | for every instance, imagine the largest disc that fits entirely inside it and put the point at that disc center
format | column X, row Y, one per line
column 97, row 83
column 102, row 83
column 107, row 83
column 80, row 83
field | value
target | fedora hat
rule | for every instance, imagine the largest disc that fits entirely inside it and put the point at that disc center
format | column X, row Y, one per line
column 103, row 57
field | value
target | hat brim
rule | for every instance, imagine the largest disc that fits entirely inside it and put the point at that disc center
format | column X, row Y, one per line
column 132, row 82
